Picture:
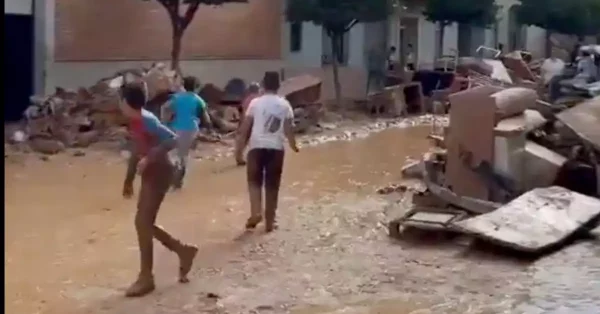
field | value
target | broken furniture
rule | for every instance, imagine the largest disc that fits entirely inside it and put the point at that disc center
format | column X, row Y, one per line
column 397, row 100
column 304, row 94
column 488, row 106
column 584, row 119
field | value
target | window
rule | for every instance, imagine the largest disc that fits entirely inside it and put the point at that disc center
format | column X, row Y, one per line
column 295, row 36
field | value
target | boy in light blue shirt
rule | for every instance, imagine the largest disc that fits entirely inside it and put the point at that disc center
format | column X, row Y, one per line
column 186, row 107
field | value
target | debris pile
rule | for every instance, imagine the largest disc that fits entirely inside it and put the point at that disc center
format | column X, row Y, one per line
column 77, row 118
column 504, row 154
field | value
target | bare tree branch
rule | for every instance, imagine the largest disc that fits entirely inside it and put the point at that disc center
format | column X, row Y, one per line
column 189, row 14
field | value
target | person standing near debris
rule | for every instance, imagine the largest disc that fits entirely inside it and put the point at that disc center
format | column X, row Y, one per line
column 186, row 107
column 410, row 58
column 551, row 67
column 252, row 92
column 392, row 59
column 586, row 69
column 267, row 123
column 151, row 161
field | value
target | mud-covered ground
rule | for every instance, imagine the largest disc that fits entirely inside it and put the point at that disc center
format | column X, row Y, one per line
column 70, row 244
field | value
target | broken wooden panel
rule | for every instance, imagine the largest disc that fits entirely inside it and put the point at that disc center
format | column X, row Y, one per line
column 515, row 62
column 584, row 119
column 536, row 220
column 542, row 166
column 301, row 90
column 472, row 121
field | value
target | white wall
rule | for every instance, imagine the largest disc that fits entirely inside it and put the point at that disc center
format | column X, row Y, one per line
column 356, row 51
column 536, row 41
column 17, row 7
column 311, row 47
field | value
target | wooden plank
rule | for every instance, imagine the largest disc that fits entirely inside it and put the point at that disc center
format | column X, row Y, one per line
column 536, row 220
column 584, row 119
column 472, row 122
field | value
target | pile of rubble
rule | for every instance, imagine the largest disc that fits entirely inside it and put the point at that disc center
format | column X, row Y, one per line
column 78, row 118
column 509, row 168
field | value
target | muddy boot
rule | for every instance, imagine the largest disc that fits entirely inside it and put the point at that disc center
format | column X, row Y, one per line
column 142, row 286
column 253, row 221
column 186, row 254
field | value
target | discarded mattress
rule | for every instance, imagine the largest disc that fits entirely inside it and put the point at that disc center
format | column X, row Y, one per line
column 514, row 101
column 535, row 221
column 584, row 119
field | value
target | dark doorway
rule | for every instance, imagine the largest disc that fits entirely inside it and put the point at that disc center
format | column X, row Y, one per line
column 18, row 64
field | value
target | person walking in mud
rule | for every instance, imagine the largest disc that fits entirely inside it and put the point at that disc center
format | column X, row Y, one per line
column 186, row 106
column 267, row 122
column 150, row 159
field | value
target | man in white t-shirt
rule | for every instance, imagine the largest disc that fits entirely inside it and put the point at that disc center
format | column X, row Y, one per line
column 267, row 124
column 551, row 67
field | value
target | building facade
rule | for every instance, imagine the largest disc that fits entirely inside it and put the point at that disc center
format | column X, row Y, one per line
column 408, row 26
column 73, row 43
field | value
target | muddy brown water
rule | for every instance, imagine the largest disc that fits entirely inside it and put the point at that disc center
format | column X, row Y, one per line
column 70, row 244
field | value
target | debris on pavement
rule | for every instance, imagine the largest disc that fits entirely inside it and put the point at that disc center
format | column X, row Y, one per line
column 536, row 220
column 503, row 146
column 79, row 118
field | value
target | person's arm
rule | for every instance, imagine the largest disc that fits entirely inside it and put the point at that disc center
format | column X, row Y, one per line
column 244, row 132
column 168, row 139
column 132, row 163
column 288, row 128
column 202, row 113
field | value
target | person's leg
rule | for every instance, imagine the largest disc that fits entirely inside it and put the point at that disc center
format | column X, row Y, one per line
column 144, row 225
column 155, row 184
column 273, row 170
column 185, row 140
column 254, row 171
column 186, row 252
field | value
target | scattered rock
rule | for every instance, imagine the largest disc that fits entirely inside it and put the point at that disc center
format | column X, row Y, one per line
column 46, row 146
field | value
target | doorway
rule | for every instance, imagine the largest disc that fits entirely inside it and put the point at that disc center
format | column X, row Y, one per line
column 409, row 39
column 18, row 64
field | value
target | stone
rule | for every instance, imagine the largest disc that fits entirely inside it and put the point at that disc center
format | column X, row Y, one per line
column 46, row 146
column 84, row 139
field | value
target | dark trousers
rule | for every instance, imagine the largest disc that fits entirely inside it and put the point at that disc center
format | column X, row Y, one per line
column 264, row 168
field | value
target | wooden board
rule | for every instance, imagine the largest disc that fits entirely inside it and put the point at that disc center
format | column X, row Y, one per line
column 584, row 119
column 472, row 122
column 536, row 220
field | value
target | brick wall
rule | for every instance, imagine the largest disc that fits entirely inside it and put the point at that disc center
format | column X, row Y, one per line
column 112, row 30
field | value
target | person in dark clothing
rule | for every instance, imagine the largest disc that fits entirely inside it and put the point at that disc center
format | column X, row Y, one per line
column 150, row 160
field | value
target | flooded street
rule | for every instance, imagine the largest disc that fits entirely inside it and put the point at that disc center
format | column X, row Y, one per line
column 70, row 244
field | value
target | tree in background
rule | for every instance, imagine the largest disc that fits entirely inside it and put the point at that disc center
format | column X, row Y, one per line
column 179, row 22
column 337, row 17
column 575, row 17
column 480, row 13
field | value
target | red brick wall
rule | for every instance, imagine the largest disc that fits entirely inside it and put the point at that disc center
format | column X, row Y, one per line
column 103, row 30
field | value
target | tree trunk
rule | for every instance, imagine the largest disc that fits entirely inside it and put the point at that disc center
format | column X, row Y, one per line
column 334, row 65
column 176, row 49
column 440, row 44
column 548, row 44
